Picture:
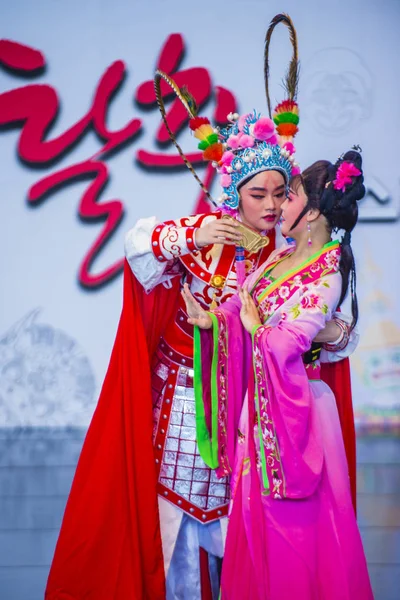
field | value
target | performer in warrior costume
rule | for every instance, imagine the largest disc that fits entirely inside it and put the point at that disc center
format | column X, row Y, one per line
column 140, row 463
column 292, row 531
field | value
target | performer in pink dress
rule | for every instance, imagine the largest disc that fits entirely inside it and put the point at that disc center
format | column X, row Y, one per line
column 292, row 531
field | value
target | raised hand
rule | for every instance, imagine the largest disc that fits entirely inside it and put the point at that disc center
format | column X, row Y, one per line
column 219, row 231
column 249, row 314
column 197, row 315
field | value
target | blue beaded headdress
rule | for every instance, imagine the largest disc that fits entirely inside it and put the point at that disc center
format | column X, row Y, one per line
column 251, row 146
column 252, row 143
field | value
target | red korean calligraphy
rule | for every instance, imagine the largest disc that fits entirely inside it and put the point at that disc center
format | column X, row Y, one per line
column 33, row 108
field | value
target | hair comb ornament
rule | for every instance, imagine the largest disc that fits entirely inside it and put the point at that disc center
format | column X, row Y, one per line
column 251, row 143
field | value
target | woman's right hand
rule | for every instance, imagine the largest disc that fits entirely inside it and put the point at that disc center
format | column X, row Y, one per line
column 218, row 231
column 197, row 315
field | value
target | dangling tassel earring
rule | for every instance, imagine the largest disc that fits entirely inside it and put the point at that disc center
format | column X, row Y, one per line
column 309, row 234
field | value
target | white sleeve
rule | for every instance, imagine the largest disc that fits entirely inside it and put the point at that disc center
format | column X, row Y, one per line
column 139, row 254
column 330, row 357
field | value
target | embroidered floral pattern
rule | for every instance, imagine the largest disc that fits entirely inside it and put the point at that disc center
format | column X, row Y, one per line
column 332, row 260
column 224, row 467
column 310, row 301
column 277, row 485
column 284, row 292
column 296, row 282
column 241, row 437
column 258, row 460
column 268, row 307
column 303, row 282
column 263, row 284
column 265, row 429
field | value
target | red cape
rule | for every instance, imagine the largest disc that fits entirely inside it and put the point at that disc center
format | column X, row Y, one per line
column 110, row 544
column 337, row 376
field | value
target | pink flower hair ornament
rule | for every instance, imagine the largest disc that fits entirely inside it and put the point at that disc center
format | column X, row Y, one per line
column 344, row 175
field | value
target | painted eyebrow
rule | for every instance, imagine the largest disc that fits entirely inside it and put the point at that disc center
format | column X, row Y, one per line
column 261, row 189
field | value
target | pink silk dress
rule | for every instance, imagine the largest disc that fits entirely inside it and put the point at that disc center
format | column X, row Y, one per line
column 267, row 420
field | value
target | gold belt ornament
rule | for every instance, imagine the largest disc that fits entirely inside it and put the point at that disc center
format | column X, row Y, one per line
column 251, row 241
column 218, row 281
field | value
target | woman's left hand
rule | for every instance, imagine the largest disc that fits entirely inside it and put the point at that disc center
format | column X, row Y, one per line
column 249, row 312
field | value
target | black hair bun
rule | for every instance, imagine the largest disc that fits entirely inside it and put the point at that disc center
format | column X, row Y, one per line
column 340, row 207
column 356, row 190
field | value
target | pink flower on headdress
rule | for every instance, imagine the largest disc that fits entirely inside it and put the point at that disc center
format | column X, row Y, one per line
column 227, row 158
column 233, row 141
column 246, row 141
column 273, row 140
column 289, row 147
column 345, row 172
column 295, row 171
column 263, row 129
column 242, row 121
column 226, row 180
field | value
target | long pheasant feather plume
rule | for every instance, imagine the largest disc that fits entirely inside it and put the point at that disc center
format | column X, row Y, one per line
column 292, row 76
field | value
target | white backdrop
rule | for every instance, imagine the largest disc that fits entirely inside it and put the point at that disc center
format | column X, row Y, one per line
column 55, row 336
